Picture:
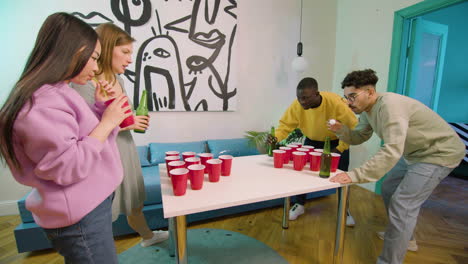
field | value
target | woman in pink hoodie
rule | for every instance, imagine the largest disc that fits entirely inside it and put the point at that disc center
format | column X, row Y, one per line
column 65, row 150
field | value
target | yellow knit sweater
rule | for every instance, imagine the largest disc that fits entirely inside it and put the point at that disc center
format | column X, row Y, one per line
column 313, row 122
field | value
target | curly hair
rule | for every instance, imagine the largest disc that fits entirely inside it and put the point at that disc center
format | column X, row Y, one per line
column 360, row 78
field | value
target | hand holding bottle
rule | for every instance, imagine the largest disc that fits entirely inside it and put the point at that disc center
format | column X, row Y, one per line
column 141, row 123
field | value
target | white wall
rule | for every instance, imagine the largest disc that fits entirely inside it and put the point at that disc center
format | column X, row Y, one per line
column 268, row 31
column 363, row 40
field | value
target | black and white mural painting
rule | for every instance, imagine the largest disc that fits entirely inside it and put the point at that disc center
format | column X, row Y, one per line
column 184, row 51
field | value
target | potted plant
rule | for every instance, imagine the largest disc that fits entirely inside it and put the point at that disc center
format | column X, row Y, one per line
column 258, row 139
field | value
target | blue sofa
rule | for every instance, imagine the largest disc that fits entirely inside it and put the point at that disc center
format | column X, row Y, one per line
column 29, row 236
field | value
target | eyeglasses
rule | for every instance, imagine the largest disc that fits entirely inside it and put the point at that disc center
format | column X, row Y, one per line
column 352, row 97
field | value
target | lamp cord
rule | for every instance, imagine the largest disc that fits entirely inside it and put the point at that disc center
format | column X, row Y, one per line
column 300, row 27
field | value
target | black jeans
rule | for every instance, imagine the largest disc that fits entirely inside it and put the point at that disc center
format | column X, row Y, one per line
column 343, row 165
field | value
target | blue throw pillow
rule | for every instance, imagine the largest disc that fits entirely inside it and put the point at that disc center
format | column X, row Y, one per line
column 158, row 150
column 143, row 155
column 236, row 147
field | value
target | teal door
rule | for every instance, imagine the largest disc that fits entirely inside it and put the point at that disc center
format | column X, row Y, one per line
column 426, row 51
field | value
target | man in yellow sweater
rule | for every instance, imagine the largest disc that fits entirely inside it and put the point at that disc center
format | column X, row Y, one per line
column 420, row 149
column 310, row 113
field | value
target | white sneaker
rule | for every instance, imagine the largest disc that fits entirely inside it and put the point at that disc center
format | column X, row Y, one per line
column 412, row 246
column 296, row 211
column 350, row 220
column 158, row 236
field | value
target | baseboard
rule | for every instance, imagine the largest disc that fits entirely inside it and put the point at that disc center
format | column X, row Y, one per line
column 8, row 207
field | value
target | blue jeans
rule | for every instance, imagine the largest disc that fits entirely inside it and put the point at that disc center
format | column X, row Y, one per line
column 90, row 240
column 404, row 190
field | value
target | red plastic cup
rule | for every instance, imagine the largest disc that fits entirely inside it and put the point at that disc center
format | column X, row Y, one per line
column 169, row 159
column 196, row 176
column 288, row 154
column 315, row 160
column 298, row 160
column 214, row 169
column 192, row 161
column 172, row 153
column 318, row 150
column 305, row 150
column 179, row 181
column 293, row 148
column 188, row 154
column 204, row 157
column 226, row 165
column 334, row 162
column 298, row 144
column 127, row 121
column 278, row 158
column 310, row 148
column 178, row 164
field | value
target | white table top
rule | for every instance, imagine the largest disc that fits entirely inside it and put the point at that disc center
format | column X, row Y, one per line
column 253, row 179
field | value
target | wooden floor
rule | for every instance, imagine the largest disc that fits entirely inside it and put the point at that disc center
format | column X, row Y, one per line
column 441, row 233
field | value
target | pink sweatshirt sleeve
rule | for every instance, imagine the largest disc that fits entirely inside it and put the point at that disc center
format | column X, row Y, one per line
column 52, row 142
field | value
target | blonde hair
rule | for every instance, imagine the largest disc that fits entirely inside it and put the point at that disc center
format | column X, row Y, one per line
column 110, row 36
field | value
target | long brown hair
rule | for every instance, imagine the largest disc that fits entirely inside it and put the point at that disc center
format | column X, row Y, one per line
column 63, row 46
column 110, row 36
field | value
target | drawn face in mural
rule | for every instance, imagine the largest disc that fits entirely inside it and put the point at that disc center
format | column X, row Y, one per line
column 90, row 68
column 121, row 58
column 204, row 29
column 158, row 62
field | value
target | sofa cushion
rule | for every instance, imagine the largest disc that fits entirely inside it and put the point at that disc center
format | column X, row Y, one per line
column 152, row 185
column 158, row 150
column 236, row 147
column 143, row 155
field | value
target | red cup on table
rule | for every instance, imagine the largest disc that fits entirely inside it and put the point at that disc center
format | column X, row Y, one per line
column 278, row 158
column 172, row 153
column 335, row 162
column 192, row 161
column 214, row 169
column 196, row 176
column 315, row 160
column 204, row 157
column 177, row 164
column 299, row 160
column 310, row 148
column 169, row 159
column 293, row 148
column 318, row 150
column 188, row 154
column 305, row 150
column 179, row 181
column 298, row 144
column 288, row 154
column 127, row 121
column 226, row 164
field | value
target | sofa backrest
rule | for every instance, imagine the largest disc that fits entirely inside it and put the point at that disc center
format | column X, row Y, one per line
column 154, row 153
column 236, row 147
column 158, row 150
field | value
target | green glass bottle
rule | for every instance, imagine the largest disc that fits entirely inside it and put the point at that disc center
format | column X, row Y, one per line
column 325, row 160
column 272, row 146
column 142, row 110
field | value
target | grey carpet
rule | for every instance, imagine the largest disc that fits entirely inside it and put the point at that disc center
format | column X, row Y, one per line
column 207, row 246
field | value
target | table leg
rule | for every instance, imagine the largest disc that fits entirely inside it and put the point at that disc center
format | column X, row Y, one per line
column 340, row 224
column 178, row 239
column 287, row 203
